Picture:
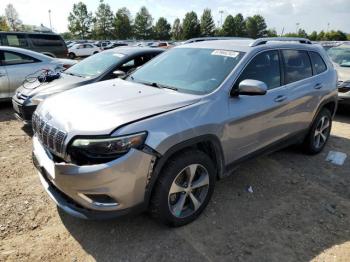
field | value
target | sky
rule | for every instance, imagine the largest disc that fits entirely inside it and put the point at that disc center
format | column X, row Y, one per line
column 308, row 14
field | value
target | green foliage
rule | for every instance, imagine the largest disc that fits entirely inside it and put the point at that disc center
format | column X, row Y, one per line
column 79, row 20
column 67, row 36
column 313, row 36
column 143, row 24
column 321, row 36
column 240, row 28
column 256, row 26
column 176, row 31
column 3, row 24
column 271, row 33
column 228, row 28
column 122, row 24
column 207, row 25
column 103, row 22
column 162, row 29
column 190, row 26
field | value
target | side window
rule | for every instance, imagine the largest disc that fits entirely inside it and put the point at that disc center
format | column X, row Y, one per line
column 11, row 58
column 264, row 67
column 297, row 65
column 16, row 40
column 45, row 40
column 317, row 63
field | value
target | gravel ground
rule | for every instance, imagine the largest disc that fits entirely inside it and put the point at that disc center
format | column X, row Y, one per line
column 299, row 211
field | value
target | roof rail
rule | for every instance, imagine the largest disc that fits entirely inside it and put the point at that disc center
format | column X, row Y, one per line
column 264, row 40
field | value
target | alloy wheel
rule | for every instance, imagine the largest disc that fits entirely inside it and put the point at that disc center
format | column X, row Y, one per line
column 188, row 190
column 321, row 132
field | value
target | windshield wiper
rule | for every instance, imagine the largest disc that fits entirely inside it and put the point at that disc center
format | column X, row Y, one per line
column 154, row 84
column 73, row 74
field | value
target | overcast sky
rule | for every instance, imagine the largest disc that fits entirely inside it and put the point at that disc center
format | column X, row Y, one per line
column 310, row 14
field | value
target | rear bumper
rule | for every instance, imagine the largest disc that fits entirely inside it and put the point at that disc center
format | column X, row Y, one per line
column 73, row 187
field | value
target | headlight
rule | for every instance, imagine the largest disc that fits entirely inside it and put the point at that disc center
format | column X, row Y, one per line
column 98, row 150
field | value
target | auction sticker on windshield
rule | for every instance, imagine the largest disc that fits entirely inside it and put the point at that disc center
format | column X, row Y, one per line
column 225, row 53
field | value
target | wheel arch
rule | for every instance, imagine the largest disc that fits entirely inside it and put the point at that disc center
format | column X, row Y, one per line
column 209, row 144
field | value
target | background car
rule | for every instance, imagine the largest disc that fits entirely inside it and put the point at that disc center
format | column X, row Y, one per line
column 103, row 66
column 17, row 64
column 340, row 56
column 80, row 50
column 162, row 45
column 114, row 44
column 47, row 44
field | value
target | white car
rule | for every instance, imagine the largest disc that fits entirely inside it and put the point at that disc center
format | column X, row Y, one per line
column 83, row 50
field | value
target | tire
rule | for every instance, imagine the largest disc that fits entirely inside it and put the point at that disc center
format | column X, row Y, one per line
column 71, row 55
column 96, row 52
column 319, row 133
column 181, row 207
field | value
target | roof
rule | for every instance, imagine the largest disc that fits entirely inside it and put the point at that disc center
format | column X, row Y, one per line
column 128, row 50
column 245, row 45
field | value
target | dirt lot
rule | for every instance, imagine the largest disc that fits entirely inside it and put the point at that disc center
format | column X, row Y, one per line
column 299, row 211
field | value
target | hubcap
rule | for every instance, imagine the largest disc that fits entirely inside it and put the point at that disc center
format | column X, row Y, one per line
column 321, row 132
column 188, row 190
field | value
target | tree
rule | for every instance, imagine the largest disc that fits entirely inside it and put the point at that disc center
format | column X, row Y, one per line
column 80, row 20
column 143, row 24
column 176, row 31
column 67, row 36
column 313, row 36
column 12, row 18
column 162, row 29
column 104, row 19
column 256, row 26
column 190, row 26
column 302, row 33
column 239, row 23
column 271, row 32
column 207, row 23
column 122, row 24
column 228, row 28
column 3, row 24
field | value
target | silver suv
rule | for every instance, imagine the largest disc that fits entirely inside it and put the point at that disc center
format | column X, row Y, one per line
column 160, row 138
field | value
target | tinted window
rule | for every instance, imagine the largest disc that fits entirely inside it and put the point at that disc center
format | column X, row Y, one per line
column 318, row 63
column 16, row 40
column 11, row 58
column 264, row 67
column 297, row 65
column 192, row 70
column 45, row 40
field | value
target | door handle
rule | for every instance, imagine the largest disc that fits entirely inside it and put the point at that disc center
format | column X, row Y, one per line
column 318, row 86
column 280, row 98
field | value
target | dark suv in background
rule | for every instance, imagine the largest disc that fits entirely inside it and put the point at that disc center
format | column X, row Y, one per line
column 46, row 43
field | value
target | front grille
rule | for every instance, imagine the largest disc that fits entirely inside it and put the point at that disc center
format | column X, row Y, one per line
column 52, row 138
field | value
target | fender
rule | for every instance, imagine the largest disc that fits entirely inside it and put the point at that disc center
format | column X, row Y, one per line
column 322, row 104
column 161, row 160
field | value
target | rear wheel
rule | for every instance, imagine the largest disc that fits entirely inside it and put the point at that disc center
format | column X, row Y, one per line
column 319, row 132
column 184, row 188
column 71, row 55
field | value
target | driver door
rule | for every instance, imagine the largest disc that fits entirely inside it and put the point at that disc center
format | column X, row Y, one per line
column 256, row 121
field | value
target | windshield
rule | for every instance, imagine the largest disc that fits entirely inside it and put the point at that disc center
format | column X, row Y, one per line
column 191, row 70
column 340, row 55
column 95, row 65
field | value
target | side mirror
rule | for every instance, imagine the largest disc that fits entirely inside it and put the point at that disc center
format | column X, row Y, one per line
column 119, row 73
column 252, row 87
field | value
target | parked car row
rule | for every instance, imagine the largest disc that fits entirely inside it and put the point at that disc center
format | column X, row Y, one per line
column 158, row 138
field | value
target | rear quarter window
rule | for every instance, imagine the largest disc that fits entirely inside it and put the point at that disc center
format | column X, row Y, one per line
column 15, row 40
column 317, row 62
column 46, row 40
column 297, row 65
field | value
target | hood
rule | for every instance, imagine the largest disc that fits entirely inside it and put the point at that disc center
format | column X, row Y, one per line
column 105, row 106
column 63, row 83
column 343, row 72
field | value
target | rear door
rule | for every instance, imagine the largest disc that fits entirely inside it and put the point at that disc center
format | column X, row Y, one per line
column 4, row 83
column 18, row 67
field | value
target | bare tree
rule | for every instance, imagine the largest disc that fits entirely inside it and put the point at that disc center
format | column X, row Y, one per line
column 12, row 18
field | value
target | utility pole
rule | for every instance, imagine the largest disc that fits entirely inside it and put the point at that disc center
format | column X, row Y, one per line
column 297, row 27
column 50, row 19
column 328, row 26
column 221, row 12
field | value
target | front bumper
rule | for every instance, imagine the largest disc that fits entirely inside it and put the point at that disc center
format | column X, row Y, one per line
column 70, row 186
column 23, row 112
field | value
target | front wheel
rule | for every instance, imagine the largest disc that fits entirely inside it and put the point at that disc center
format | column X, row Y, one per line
column 71, row 55
column 184, row 188
column 319, row 132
